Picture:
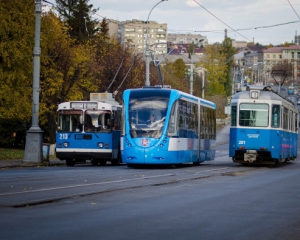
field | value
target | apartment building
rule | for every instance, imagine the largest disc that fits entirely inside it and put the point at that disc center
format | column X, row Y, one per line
column 134, row 33
column 187, row 39
column 277, row 55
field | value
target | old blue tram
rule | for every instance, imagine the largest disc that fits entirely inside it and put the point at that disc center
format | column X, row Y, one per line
column 184, row 129
column 264, row 127
column 89, row 130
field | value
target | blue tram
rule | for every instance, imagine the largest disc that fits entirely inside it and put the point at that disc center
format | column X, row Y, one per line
column 184, row 129
column 89, row 130
column 264, row 127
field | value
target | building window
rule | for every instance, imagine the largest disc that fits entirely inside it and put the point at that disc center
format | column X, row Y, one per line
column 274, row 55
column 286, row 55
column 268, row 55
column 293, row 55
column 280, row 56
column 298, row 55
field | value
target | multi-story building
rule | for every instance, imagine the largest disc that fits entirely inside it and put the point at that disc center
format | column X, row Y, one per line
column 134, row 33
column 187, row 39
column 279, row 55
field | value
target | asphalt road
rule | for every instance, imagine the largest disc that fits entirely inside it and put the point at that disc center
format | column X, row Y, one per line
column 216, row 200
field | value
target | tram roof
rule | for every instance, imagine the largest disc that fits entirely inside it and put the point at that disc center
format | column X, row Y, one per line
column 266, row 93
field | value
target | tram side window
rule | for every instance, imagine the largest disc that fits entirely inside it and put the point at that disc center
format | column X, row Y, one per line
column 204, row 118
column 275, row 116
column 202, row 122
column 233, row 115
column 290, row 120
column 196, row 119
column 174, row 121
column 285, row 121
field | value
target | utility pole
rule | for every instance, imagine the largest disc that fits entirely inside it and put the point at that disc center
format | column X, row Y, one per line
column 191, row 78
column 147, row 83
column 34, row 136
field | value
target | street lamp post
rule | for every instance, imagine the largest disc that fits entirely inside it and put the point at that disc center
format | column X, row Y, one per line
column 147, row 83
column 34, row 136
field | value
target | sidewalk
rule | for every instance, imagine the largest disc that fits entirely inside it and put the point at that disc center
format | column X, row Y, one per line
column 5, row 164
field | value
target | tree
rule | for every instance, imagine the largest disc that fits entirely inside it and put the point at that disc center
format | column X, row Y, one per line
column 78, row 16
column 286, row 44
column 16, row 69
column 214, row 62
column 104, row 29
column 228, row 51
column 174, row 73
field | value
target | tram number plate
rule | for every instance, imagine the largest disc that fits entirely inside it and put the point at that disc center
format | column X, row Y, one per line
column 63, row 136
column 242, row 142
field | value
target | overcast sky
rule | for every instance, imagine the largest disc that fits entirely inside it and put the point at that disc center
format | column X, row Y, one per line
column 211, row 17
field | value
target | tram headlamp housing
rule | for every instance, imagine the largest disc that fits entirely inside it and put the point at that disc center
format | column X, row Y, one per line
column 66, row 144
column 100, row 145
column 254, row 94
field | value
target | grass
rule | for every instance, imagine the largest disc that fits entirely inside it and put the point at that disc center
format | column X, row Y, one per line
column 11, row 154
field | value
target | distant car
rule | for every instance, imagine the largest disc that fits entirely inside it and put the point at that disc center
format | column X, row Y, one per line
column 298, row 102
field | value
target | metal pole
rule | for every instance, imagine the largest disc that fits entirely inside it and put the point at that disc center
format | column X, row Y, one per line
column 34, row 136
column 191, row 79
column 147, row 83
column 203, row 84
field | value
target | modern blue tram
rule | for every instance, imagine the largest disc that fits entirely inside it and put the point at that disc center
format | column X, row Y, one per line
column 89, row 130
column 184, row 129
column 264, row 127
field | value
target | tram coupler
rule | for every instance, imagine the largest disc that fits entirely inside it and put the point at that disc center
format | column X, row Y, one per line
column 250, row 156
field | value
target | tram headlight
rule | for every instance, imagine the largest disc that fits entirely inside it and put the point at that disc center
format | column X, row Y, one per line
column 100, row 145
column 66, row 144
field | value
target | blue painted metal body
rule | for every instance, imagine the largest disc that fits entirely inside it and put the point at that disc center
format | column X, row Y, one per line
column 269, row 143
column 184, row 146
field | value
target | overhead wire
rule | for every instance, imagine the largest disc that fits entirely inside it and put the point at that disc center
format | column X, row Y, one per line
column 204, row 31
column 293, row 9
column 221, row 20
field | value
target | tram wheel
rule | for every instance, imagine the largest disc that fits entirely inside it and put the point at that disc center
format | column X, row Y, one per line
column 103, row 162
column 196, row 163
column 70, row 162
column 95, row 162
column 115, row 162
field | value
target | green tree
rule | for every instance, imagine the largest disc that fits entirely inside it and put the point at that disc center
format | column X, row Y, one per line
column 228, row 51
column 16, row 69
column 104, row 29
column 174, row 73
column 78, row 16
column 214, row 63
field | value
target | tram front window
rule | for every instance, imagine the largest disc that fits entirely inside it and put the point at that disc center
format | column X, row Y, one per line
column 69, row 121
column 147, row 112
column 254, row 115
column 97, row 121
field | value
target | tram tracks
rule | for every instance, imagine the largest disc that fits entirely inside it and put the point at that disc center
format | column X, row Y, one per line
column 20, row 199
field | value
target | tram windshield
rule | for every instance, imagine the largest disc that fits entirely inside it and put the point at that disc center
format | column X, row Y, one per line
column 69, row 121
column 254, row 115
column 147, row 112
column 88, row 121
